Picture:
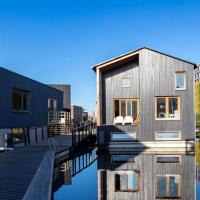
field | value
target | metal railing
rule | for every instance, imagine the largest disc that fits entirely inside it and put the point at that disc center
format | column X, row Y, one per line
column 80, row 134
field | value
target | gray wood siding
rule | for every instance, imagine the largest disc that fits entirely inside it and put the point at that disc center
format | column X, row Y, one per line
column 154, row 76
column 148, row 168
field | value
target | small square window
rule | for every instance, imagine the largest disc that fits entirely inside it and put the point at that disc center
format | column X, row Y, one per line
column 180, row 81
column 126, row 82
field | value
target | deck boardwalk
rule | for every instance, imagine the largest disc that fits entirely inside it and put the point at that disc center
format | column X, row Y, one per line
column 17, row 171
column 22, row 171
column 19, row 167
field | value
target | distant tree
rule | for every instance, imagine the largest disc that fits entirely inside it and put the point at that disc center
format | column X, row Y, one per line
column 197, row 153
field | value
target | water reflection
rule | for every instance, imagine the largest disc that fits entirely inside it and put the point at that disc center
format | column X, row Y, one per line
column 124, row 176
column 64, row 172
column 146, row 176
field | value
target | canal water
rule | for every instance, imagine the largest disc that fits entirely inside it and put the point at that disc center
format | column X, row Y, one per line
column 129, row 175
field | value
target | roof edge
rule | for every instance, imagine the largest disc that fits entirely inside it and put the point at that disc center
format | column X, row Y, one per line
column 131, row 52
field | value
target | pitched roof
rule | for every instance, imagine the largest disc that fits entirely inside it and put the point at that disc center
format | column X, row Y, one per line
column 132, row 53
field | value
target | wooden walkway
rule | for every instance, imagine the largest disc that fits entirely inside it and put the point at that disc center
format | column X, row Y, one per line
column 18, row 167
column 17, row 171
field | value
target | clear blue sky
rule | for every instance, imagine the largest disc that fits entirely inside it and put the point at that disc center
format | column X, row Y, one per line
column 58, row 41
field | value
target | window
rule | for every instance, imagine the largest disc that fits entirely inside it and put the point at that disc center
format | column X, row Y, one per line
column 127, row 181
column 52, row 104
column 127, row 107
column 171, row 135
column 126, row 82
column 168, row 159
column 167, row 186
column 20, row 100
column 124, row 136
column 167, row 108
column 180, row 80
column 123, row 158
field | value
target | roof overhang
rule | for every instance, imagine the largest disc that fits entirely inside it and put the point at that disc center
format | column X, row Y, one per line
column 128, row 57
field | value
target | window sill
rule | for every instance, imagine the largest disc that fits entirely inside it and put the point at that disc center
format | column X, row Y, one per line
column 180, row 89
column 22, row 112
column 167, row 119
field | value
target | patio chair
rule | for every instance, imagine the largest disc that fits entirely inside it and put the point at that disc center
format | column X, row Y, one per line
column 128, row 120
column 119, row 120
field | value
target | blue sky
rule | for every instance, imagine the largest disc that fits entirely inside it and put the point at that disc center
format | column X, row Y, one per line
column 59, row 41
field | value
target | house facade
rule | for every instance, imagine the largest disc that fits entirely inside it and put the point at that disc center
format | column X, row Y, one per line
column 25, row 103
column 145, row 96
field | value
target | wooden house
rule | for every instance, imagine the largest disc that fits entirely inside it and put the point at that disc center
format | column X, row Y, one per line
column 145, row 97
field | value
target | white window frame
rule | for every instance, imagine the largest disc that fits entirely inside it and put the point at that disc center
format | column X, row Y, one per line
column 185, row 80
column 122, row 133
column 167, row 139
column 167, row 156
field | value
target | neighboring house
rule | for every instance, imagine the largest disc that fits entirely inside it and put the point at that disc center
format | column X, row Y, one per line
column 145, row 96
column 76, row 114
column 25, row 103
column 66, row 89
column 197, row 94
column 146, row 176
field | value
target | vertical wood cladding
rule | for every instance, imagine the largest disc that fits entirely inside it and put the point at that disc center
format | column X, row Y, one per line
column 153, row 75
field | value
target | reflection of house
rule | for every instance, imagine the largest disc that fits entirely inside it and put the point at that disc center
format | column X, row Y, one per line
column 147, row 94
column 25, row 103
column 146, row 177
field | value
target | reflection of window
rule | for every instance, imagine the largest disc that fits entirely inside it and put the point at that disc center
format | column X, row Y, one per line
column 127, row 107
column 52, row 104
column 122, row 158
column 168, row 159
column 171, row 135
column 167, row 108
column 126, row 82
column 180, row 80
column 20, row 100
column 127, row 181
column 167, row 186
column 123, row 136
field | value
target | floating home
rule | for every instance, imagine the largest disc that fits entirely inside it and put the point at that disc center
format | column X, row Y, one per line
column 145, row 176
column 25, row 104
column 145, row 98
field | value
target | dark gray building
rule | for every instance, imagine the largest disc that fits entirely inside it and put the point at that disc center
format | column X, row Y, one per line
column 66, row 89
column 146, row 95
column 25, row 102
column 76, row 114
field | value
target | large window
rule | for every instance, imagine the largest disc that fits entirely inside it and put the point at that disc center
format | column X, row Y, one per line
column 167, row 108
column 168, row 186
column 180, row 80
column 20, row 100
column 126, row 107
column 127, row 181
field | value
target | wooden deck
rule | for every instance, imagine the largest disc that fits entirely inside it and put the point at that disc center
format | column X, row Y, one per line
column 17, row 171
column 19, row 167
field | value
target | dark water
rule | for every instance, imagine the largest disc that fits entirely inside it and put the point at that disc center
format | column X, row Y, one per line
column 129, row 175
